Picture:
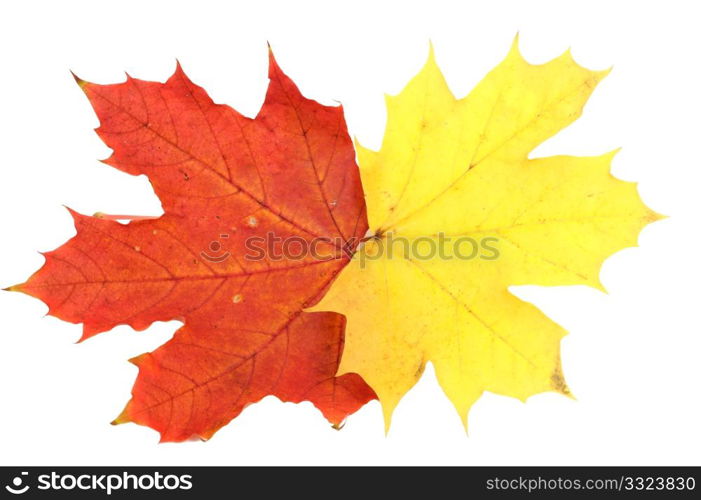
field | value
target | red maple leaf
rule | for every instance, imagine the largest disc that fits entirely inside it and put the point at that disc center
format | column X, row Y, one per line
column 222, row 179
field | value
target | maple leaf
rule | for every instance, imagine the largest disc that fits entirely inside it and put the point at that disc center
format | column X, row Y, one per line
column 222, row 179
column 457, row 171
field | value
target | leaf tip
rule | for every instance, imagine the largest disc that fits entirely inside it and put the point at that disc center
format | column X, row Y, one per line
column 431, row 50
column 604, row 72
column 514, row 50
column 74, row 215
column 109, row 161
column 178, row 67
column 138, row 360
column 81, row 83
column 557, row 382
column 128, row 77
column 14, row 288
column 597, row 284
column 70, row 210
column 653, row 216
column 431, row 65
column 514, row 55
column 614, row 152
column 463, row 419
column 122, row 418
column 273, row 67
column 387, row 411
column 88, row 332
column 179, row 73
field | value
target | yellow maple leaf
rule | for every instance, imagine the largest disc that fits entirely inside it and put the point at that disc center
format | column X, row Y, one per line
column 458, row 213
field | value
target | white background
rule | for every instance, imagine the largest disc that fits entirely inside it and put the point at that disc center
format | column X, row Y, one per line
column 632, row 356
